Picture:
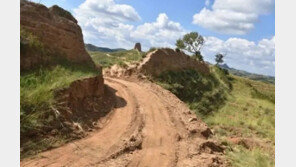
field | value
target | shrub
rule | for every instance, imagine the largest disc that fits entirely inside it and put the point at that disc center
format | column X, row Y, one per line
column 37, row 99
column 204, row 93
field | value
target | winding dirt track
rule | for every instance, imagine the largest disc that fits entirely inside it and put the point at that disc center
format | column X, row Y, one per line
column 151, row 128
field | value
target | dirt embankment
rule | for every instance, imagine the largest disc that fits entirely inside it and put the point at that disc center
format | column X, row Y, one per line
column 84, row 101
column 162, row 60
column 51, row 36
column 56, row 32
column 147, row 125
column 74, row 113
column 150, row 127
column 157, row 62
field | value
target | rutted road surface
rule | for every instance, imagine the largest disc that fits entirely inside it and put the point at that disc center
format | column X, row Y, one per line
column 151, row 127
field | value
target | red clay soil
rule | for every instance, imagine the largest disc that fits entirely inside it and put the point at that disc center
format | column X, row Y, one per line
column 162, row 60
column 152, row 128
column 57, row 30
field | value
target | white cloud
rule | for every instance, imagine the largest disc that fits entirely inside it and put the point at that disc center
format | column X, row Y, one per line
column 243, row 54
column 233, row 16
column 161, row 33
column 106, row 9
column 105, row 23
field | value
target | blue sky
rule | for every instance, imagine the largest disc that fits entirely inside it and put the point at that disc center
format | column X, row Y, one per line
column 243, row 29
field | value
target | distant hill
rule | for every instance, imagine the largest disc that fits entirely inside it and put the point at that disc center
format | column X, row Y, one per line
column 91, row 47
column 249, row 75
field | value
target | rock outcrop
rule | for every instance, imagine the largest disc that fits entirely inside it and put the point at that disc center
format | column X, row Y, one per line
column 57, row 31
column 138, row 47
column 162, row 60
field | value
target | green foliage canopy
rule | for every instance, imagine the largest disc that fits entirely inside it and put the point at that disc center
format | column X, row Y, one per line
column 219, row 58
column 191, row 42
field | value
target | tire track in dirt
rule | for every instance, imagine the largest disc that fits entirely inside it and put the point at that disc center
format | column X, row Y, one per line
column 153, row 129
column 100, row 145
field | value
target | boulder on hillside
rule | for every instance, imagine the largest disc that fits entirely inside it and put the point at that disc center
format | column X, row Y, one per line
column 138, row 47
column 56, row 31
column 162, row 60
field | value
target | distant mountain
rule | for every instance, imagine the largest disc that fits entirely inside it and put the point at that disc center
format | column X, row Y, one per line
column 225, row 66
column 91, row 47
column 257, row 77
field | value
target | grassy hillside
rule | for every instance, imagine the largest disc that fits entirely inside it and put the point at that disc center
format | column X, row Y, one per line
column 249, row 114
column 203, row 93
column 119, row 57
column 240, row 111
column 93, row 48
column 256, row 77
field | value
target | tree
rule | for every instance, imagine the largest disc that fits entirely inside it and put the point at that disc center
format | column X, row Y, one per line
column 219, row 58
column 191, row 42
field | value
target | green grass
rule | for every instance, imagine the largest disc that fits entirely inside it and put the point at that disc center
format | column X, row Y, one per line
column 262, row 91
column 120, row 57
column 247, row 115
column 203, row 93
column 244, row 111
column 37, row 91
column 37, row 99
column 233, row 107
column 242, row 157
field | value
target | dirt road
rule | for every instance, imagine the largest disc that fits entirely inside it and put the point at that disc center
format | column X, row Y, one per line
column 151, row 127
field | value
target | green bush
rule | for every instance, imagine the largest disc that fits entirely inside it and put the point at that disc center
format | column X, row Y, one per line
column 204, row 93
column 37, row 93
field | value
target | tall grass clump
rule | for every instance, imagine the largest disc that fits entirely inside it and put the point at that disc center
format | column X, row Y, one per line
column 37, row 94
column 203, row 93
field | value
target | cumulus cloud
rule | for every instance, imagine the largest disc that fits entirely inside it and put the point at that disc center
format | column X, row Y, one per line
column 233, row 16
column 106, row 23
column 243, row 54
column 161, row 33
column 106, row 9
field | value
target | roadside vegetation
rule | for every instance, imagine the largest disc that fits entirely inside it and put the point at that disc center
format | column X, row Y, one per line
column 37, row 102
column 203, row 93
column 37, row 87
column 234, row 107
column 248, row 114
column 121, row 58
column 240, row 111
